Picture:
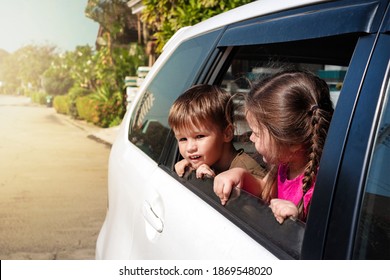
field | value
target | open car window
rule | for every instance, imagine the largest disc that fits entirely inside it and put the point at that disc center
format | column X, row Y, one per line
column 248, row 64
column 243, row 66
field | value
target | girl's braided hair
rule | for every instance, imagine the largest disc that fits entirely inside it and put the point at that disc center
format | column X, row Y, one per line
column 295, row 108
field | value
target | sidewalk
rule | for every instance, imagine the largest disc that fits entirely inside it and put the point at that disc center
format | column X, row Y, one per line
column 101, row 135
column 105, row 135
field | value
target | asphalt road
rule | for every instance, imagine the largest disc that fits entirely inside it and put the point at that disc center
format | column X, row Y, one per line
column 53, row 184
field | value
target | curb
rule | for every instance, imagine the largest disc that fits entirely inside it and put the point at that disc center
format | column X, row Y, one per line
column 97, row 139
column 105, row 136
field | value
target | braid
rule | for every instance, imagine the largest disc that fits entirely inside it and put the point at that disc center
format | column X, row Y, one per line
column 317, row 142
column 321, row 114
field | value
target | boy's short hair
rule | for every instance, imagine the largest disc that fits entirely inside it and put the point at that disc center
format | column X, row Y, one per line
column 201, row 105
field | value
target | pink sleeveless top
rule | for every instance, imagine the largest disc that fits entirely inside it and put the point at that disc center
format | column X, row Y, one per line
column 292, row 189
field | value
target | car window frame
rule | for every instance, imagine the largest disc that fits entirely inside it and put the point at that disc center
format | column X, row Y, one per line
column 357, row 153
column 357, row 16
column 370, row 237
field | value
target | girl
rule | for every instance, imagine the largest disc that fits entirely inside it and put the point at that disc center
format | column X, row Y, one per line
column 289, row 115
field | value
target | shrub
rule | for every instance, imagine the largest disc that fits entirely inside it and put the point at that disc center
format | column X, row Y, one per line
column 61, row 104
column 88, row 109
column 110, row 106
column 38, row 97
column 111, row 112
column 74, row 93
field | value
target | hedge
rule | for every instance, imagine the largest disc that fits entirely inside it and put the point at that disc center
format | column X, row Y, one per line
column 88, row 109
column 61, row 104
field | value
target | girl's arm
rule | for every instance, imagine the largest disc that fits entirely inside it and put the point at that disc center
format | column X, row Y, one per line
column 236, row 177
column 283, row 209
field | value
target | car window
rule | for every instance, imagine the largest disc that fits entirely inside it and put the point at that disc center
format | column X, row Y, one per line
column 243, row 66
column 255, row 62
column 149, row 126
column 373, row 236
column 251, row 63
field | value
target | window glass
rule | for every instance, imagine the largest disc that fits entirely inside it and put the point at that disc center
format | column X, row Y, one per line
column 149, row 124
column 373, row 236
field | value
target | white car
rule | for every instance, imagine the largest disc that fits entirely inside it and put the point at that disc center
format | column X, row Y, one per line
column 154, row 214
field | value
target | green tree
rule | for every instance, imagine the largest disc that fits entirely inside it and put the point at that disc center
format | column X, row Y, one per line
column 33, row 62
column 114, row 16
column 57, row 79
column 3, row 54
column 116, row 23
column 23, row 69
column 110, row 80
column 81, row 64
column 115, row 58
column 5, row 77
column 165, row 17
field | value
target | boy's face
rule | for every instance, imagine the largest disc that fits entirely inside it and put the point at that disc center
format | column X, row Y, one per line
column 201, row 145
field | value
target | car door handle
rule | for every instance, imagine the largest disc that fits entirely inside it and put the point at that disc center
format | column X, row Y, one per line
column 152, row 218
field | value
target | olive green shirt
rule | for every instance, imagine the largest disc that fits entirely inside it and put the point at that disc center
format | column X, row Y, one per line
column 245, row 161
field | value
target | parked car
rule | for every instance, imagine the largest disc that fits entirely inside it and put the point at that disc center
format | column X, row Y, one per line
column 154, row 214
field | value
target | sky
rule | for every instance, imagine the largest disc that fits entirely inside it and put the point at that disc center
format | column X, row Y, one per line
column 45, row 22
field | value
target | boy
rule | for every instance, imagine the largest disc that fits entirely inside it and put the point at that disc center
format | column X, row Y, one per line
column 202, row 120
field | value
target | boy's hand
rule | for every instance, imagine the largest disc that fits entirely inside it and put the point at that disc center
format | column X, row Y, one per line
column 180, row 167
column 283, row 209
column 204, row 170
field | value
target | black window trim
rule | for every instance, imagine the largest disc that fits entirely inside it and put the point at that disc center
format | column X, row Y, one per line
column 335, row 18
column 316, row 235
column 355, row 157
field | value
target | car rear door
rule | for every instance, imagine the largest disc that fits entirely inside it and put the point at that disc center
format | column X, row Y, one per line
column 290, row 35
column 167, row 217
column 357, row 224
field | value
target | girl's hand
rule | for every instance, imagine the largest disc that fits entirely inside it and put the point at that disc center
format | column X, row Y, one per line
column 180, row 167
column 283, row 209
column 226, row 181
column 204, row 170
